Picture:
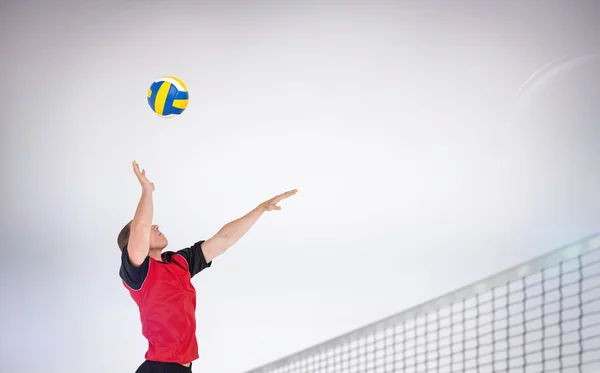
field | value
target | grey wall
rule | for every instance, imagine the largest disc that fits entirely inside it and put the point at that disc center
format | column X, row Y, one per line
column 394, row 119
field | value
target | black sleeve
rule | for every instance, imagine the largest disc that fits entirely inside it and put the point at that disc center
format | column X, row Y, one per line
column 133, row 276
column 195, row 258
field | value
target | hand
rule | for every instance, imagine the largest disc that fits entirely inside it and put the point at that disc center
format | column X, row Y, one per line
column 271, row 204
column 146, row 184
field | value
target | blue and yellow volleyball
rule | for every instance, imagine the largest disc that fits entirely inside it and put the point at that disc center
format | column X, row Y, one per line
column 168, row 96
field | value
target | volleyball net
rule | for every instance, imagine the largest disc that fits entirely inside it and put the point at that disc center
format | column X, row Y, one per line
column 540, row 316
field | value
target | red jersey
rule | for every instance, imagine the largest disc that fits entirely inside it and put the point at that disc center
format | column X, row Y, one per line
column 166, row 300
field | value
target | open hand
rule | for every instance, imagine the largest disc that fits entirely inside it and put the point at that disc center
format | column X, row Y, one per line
column 146, row 184
column 271, row 204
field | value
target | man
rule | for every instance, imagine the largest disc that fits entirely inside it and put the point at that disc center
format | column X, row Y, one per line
column 160, row 282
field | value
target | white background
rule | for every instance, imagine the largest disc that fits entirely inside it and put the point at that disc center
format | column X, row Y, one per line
column 391, row 118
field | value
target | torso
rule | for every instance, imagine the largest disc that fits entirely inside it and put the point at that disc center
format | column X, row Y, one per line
column 167, row 304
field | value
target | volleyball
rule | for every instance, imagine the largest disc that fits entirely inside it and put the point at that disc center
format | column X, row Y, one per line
column 168, row 96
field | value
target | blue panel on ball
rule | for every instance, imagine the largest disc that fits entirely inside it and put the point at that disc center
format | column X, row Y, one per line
column 182, row 95
column 169, row 100
column 176, row 111
column 154, row 89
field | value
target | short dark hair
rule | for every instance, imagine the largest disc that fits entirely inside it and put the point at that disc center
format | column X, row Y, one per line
column 123, row 237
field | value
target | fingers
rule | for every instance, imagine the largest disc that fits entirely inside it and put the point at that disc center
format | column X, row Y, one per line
column 291, row 193
column 272, row 203
column 136, row 169
column 271, row 207
column 142, row 176
column 286, row 195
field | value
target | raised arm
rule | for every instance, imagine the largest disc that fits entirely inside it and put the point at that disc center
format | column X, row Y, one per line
column 233, row 231
column 141, row 225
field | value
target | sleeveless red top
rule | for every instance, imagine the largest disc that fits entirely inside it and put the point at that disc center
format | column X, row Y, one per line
column 166, row 299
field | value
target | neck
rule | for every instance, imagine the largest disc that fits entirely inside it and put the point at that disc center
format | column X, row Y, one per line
column 155, row 254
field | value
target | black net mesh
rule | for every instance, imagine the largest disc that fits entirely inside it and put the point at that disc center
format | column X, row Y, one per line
column 541, row 317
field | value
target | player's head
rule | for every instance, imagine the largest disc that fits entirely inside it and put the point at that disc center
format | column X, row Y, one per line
column 158, row 241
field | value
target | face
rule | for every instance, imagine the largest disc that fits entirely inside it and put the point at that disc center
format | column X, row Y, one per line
column 157, row 240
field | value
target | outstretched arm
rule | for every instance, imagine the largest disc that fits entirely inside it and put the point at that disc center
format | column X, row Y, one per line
column 233, row 231
column 139, row 237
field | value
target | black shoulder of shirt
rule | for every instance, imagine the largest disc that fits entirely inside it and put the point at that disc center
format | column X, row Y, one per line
column 134, row 277
column 195, row 258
